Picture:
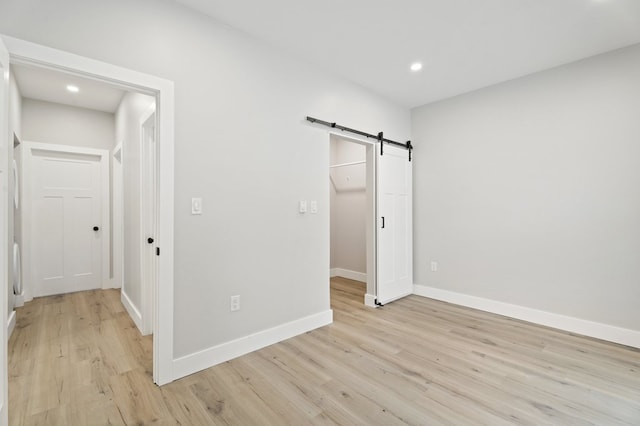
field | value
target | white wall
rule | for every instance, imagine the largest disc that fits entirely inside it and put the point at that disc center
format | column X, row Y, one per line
column 241, row 143
column 527, row 192
column 128, row 115
column 67, row 125
column 348, row 207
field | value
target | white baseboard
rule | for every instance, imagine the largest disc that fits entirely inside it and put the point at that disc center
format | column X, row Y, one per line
column 11, row 323
column 134, row 313
column 345, row 273
column 370, row 300
column 111, row 283
column 18, row 301
column 218, row 354
column 597, row 330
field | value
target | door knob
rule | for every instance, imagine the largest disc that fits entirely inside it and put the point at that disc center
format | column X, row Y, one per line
column 95, row 228
column 150, row 240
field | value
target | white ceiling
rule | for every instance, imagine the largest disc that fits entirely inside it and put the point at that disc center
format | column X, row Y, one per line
column 51, row 86
column 463, row 44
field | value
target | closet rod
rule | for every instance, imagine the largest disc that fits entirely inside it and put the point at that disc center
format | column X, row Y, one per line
column 378, row 137
column 346, row 164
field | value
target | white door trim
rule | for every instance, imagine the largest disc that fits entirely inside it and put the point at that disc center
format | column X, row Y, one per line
column 24, row 52
column 5, row 143
column 117, row 229
column 29, row 240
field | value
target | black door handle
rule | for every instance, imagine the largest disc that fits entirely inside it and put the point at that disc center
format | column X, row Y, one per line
column 382, row 222
column 95, row 228
column 150, row 240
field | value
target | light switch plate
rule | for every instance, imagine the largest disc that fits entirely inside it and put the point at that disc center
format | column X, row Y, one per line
column 196, row 206
column 314, row 207
column 235, row 303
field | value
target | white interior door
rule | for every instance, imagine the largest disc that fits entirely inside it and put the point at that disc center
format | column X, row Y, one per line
column 4, row 225
column 394, row 251
column 67, row 221
column 148, row 218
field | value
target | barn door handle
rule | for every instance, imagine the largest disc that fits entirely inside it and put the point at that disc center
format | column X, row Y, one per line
column 96, row 228
column 150, row 240
column 382, row 222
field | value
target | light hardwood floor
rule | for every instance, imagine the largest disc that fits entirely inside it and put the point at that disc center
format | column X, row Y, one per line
column 78, row 359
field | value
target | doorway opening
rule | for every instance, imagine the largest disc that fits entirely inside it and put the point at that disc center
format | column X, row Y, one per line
column 352, row 183
column 81, row 212
column 161, row 123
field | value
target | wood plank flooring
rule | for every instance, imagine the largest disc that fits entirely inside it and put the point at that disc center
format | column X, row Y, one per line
column 78, row 359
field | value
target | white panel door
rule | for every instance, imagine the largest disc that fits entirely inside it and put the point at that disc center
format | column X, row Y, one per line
column 394, row 251
column 148, row 219
column 66, row 219
column 4, row 224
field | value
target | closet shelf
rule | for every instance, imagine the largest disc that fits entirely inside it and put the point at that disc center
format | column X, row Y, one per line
column 347, row 164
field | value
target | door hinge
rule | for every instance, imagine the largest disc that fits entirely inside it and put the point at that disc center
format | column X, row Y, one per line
column 157, row 251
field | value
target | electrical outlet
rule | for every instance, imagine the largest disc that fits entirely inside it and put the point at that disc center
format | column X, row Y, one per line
column 434, row 266
column 235, row 303
column 314, row 207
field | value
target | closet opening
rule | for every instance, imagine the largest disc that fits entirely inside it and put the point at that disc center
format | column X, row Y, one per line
column 352, row 218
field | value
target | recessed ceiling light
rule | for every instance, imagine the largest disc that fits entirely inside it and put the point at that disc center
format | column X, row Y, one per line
column 416, row 66
column 72, row 88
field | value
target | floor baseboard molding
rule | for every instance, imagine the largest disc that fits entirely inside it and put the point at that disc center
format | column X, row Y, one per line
column 134, row 313
column 370, row 300
column 593, row 329
column 111, row 283
column 19, row 300
column 345, row 273
column 11, row 323
column 204, row 359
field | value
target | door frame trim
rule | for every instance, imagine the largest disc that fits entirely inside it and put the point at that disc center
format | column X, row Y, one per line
column 5, row 92
column 27, row 53
column 117, row 226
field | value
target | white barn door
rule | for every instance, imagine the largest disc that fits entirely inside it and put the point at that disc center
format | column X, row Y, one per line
column 68, row 226
column 394, row 251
